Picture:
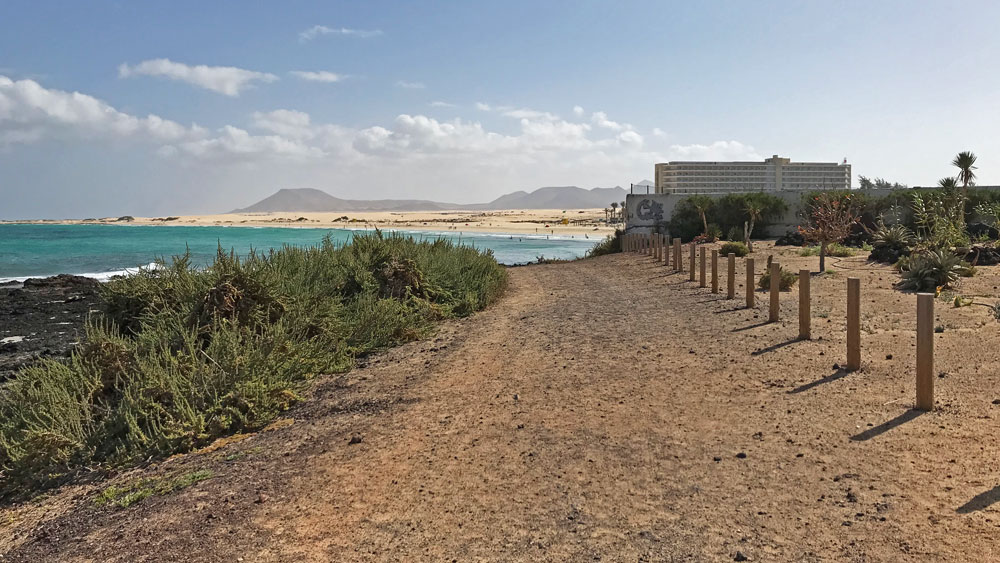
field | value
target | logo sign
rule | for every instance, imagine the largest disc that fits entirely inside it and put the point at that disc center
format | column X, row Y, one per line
column 649, row 210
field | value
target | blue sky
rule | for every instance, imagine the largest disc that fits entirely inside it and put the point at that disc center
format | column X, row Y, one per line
column 110, row 108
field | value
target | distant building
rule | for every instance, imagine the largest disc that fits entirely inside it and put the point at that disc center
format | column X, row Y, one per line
column 774, row 174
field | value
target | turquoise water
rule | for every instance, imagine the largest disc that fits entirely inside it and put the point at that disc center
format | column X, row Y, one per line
column 104, row 250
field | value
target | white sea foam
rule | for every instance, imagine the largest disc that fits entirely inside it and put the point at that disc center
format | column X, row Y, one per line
column 100, row 276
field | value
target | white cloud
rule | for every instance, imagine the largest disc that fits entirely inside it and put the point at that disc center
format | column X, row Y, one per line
column 317, row 30
column 578, row 111
column 483, row 106
column 440, row 104
column 525, row 113
column 600, row 119
column 30, row 112
column 657, row 132
column 226, row 80
column 318, row 75
column 410, row 85
column 233, row 143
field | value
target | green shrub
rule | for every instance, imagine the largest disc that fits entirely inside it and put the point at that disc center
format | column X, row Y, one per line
column 610, row 245
column 737, row 248
column 182, row 356
column 930, row 270
column 728, row 213
column 889, row 244
column 786, row 282
column 833, row 249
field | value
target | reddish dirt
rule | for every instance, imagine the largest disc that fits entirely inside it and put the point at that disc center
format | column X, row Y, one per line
column 605, row 409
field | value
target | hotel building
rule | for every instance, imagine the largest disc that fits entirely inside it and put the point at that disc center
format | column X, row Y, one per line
column 774, row 174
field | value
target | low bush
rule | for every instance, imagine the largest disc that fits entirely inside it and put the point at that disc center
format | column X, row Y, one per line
column 610, row 245
column 931, row 270
column 891, row 243
column 786, row 282
column 834, row 249
column 737, row 248
column 182, row 356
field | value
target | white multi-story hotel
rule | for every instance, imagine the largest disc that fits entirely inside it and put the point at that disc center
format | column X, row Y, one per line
column 774, row 174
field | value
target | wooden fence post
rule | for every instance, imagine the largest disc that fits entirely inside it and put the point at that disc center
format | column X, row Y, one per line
column 701, row 269
column 775, row 290
column 715, row 270
column 692, row 245
column 731, row 286
column 678, row 262
column 853, row 324
column 666, row 250
column 750, row 284
column 925, row 351
column 805, row 331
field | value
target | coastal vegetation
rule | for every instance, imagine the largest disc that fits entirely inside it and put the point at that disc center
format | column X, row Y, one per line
column 739, row 216
column 610, row 245
column 180, row 356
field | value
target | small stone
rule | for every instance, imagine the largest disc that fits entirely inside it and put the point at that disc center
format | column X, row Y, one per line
column 888, row 356
column 836, row 366
column 741, row 455
column 355, row 439
column 740, row 557
column 996, row 401
column 716, row 459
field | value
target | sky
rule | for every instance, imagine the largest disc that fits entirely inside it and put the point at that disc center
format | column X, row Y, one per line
column 143, row 108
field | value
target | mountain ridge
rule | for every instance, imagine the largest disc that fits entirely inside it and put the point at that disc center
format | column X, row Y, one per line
column 549, row 197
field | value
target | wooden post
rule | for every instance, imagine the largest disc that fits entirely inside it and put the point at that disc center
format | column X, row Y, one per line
column 750, row 284
column 775, row 289
column 853, row 324
column 715, row 270
column 731, row 286
column 701, row 270
column 692, row 245
column 666, row 250
column 659, row 247
column 925, row 351
column 805, row 331
column 678, row 263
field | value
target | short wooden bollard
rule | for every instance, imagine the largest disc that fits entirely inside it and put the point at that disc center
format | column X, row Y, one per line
column 666, row 250
column 853, row 324
column 750, row 284
column 701, row 269
column 775, row 291
column 925, row 351
column 678, row 263
column 805, row 331
column 715, row 271
column 692, row 245
column 731, row 285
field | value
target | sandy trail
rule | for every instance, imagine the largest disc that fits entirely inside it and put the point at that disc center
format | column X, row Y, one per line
column 605, row 409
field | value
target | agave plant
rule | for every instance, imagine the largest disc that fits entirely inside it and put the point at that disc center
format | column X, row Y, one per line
column 891, row 243
column 928, row 271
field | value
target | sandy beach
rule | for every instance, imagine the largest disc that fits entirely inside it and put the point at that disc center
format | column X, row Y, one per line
column 513, row 221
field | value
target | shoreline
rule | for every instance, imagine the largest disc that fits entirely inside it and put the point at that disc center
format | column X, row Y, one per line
column 510, row 222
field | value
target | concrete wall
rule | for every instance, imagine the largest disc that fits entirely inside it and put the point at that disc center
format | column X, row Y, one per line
column 644, row 212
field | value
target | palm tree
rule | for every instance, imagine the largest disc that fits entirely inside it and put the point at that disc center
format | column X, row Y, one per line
column 614, row 207
column 948, row 183
column 753, row 209
column 965, row 162
column 702, row 203
column 606, row 210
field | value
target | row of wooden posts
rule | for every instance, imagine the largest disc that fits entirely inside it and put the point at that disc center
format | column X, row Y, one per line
column 660, row 247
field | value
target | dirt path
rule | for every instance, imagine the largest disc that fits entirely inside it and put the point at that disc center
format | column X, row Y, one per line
column 604, row 410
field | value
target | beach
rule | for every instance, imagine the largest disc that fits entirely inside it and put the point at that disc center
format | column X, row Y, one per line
column 514, row 221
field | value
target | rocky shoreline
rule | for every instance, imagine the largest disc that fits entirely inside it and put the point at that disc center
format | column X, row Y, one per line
column 43, row 317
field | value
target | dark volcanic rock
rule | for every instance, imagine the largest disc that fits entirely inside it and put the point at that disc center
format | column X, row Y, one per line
column 791, row 238
column 42, row 317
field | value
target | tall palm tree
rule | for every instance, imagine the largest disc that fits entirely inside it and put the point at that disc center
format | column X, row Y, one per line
column 614, row 207
column 965, row 162
column 606, row 210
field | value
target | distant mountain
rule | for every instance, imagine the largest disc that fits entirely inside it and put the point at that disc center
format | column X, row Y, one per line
column 309, row 199
column 557, row 197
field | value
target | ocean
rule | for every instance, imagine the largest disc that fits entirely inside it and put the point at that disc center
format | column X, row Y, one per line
column 102, row 251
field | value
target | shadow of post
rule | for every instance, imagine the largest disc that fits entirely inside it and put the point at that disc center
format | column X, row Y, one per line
column 753, row 326
column 774, row 347
column 832, row 377
column 887, row 425
column 980, row 501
